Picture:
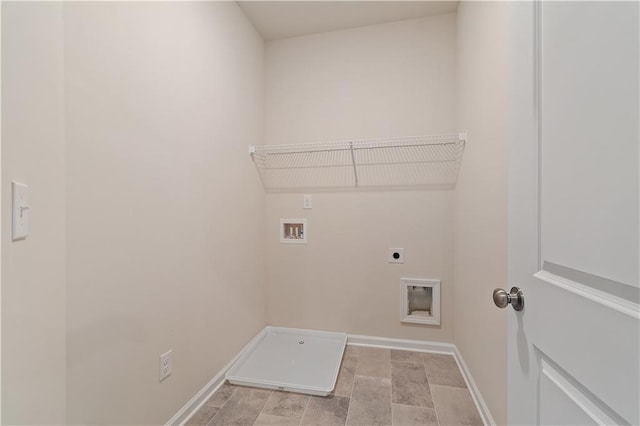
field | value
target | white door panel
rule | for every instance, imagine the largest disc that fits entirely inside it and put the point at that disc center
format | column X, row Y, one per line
column 574, row 248
column 563, row 403
column 589, row 109
column 589, row 340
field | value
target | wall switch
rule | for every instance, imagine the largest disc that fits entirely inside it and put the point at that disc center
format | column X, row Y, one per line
column 166, row 364
column 396, row 255
column 20, row 211
column 306, row 201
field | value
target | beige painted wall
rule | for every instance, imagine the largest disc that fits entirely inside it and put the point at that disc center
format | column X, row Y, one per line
column 33, row 270
column 164, row 209
column 480, row 253
column 156, row 218
column 385, row 80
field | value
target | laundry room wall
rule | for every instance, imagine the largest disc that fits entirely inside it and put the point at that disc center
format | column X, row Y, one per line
column 480, row 254
column 164, row 211
column 33, row 269
column 387, row 80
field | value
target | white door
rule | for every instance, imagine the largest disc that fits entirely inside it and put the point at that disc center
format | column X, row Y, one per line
column 573, row 213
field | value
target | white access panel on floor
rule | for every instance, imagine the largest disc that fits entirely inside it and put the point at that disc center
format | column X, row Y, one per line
column 289, row 359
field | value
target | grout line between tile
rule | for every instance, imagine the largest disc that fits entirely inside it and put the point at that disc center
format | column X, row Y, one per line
column 262, row 409
column 235, row 388
column 230, row 395
column 391, row 392
column 424, row 367
column 212, row 417
column 305, row 410
column 219, row 409
column 353, row 385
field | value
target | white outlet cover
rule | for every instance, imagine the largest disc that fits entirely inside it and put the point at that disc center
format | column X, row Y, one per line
column 306, row 203
column 166, row 364
column 396, row 255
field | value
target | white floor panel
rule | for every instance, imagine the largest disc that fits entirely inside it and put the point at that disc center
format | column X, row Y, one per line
column 294, row 360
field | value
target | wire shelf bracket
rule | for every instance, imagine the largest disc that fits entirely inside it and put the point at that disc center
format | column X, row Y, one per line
column 391, row 163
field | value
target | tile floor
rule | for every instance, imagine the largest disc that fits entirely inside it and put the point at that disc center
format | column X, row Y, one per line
column 375, row 387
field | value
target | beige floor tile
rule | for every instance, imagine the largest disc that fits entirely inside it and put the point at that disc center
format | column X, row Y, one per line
column 347, row 372
column 409, row 385
column 221, row 396
column 269, row 420
column 408, row 357
column 242, row 408
column 454, row 406
column 202, row 416
column 407, row 397
column 443, row 370
column 370, row 402
column 286, row 404
column 374, row 362
column 351, row 350
column 326, row 411
column 407, row 415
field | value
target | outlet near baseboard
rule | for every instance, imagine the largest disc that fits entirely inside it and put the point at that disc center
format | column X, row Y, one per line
column 166, row 364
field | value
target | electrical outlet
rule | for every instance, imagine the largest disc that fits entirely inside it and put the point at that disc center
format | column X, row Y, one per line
column 396, row 255
column 166, row 364
column 306, row 201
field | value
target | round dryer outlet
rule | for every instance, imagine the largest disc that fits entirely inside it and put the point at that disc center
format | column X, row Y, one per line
column 396, row 255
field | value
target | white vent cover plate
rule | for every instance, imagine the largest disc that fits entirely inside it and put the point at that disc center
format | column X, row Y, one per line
column 293, row 360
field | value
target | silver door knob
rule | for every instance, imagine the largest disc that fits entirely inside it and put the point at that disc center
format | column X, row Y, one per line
column 514, row 298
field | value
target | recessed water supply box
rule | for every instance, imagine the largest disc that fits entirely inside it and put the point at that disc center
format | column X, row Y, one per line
column 294, row 231
column 420, row 301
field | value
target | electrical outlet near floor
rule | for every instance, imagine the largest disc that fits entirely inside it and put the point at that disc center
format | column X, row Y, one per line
column 166, row 364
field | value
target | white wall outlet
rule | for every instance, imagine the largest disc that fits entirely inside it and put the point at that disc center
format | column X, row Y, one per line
column 306, row 203
column 166, row 364
column 396, row 255
column 20, row 211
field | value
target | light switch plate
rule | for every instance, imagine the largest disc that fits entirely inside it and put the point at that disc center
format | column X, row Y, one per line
column 20, row 211
column 166, row 364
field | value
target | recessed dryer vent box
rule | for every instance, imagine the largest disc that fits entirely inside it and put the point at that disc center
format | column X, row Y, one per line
column 420, row 301
column 294, row 231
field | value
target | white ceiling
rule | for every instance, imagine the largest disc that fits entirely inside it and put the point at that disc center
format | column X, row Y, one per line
column 281, row 19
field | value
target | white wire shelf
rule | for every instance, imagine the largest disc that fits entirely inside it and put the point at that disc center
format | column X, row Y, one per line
column 417, row 161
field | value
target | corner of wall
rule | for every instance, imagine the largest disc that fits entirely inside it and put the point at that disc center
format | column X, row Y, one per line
column 480, row 239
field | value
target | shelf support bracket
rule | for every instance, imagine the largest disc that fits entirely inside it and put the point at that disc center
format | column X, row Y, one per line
column 353, row 161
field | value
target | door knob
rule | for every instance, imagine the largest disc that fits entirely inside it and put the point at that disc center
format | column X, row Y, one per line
column 514, row 298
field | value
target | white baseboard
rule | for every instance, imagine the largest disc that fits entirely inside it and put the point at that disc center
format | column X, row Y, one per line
column 402, row 344
column 205, row 393
column 487, row 418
